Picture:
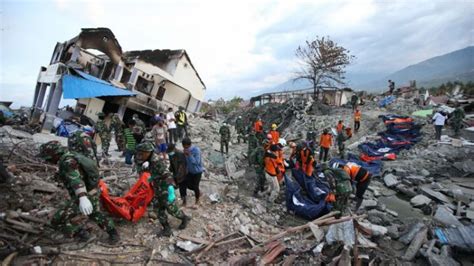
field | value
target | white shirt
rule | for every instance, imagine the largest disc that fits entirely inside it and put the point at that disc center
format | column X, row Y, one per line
column 439, row 119
column 170, row 118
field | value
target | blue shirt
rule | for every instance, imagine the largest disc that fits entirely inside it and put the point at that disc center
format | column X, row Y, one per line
column 193, row 160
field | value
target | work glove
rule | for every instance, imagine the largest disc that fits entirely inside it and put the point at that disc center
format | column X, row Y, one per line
column 330, row 197
column 171, row 195
column 145, row 165
column 85, row 205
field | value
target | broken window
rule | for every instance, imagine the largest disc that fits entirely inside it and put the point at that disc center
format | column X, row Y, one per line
column 144, row 85
column 125, row 76
column 161, row 93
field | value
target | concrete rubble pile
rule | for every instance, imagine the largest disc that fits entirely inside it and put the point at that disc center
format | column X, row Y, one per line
column 420, row 210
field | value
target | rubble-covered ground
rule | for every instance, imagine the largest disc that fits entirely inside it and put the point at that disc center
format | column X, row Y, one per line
column 427, row 189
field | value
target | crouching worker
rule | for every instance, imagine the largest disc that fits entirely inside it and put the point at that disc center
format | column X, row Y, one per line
column 360, row 176
column 80, row 176
column 341, row 187
column 273, row 171
column 147, row 161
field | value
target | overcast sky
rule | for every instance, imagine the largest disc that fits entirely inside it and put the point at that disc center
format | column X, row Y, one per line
column 238, row 47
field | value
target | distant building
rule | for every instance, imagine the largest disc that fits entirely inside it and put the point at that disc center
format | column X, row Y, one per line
column 92, row 69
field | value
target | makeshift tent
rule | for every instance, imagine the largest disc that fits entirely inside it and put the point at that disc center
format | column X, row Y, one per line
column 133, row 205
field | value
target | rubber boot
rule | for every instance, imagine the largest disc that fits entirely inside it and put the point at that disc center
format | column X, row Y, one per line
column 166, row 232
column 114, row 237
column 184, row 222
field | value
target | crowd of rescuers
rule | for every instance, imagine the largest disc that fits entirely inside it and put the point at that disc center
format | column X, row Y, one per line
column 78, row 169
column 266, row 154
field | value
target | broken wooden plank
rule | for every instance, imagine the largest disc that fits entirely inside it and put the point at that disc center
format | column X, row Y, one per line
column 275, row 250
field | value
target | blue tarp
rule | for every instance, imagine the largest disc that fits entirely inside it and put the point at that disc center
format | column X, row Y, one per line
column 386, row 101
column 76, row 87
column 315, row 188
column 301, row 205
column 392, row 116
column 374, row 167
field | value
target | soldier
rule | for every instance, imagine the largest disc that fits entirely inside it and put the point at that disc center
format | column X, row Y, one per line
column 340, row 183
column 117, row 125
column 82, row 143
column 104, row 133
column 240, row 128
column 147, row 160
column 341, row 138
column 80, row 176
column 253, row 143
column 458, row 116
column 139, row 130
column 224, row 131
column 257, row 158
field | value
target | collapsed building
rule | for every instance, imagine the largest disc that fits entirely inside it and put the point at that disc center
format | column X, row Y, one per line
column 93, row 69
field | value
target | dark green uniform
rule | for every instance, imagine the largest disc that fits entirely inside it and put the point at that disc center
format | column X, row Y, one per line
column 253, row 143
column 104, row 133
column 224, row 131
column 80, row 176
column 159, row 175
column 240, row 128
column 341, row 138
column 458, row 116
column 257, row 158
column 82, row 143
column 117, row 127
column 340, row 183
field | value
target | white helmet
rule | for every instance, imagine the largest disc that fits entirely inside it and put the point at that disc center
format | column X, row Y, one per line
column 282, row 142
column 335, row 165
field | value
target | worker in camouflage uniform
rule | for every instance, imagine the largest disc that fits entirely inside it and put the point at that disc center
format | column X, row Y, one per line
column 458, row 116
column 340, row 184
column 104, row 133
column 224, row 131
column 80, row 176
column 117, row 126
column 253, row 143
column 82, row 143
column 139, row 130
column 257, row 158
column 240, row 128
column 147, row 160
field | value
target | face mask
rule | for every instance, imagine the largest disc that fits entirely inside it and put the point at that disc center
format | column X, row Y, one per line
column 171, row 153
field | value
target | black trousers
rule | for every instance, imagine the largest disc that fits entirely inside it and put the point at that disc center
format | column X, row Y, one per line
column 438, row 132
column 190, row 182
column 356, row 125
column 182, row 131
column 172, row 135
column 324, row 151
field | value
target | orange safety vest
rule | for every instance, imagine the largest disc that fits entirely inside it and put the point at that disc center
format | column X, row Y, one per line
column 275, row 136
column 339, row 127
column 258, row 126
column 307, row 161
column 271, row 166
column 352, row 170
column 357, row 116
column 325, row 141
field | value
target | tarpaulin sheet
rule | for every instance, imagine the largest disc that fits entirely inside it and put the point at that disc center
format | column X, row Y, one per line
column 386, row 157
column 133, row 205
column 392, row 117
column 76, row 88
column 315, row 189
column 374, row 167
column 386, row 101
column 301, row 205
column 423, row 113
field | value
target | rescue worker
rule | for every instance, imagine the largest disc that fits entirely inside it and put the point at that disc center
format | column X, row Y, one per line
column 340, row 184
column 257, row 159
column 82, row 143
column 139, row 130
column 359, row 176
column 305, row 160
column 275, row 134
column 354, row 100
column 458, row 116
column 325, row 143
column 181, row 123
column 117, row 126
column 240, row 128
column 439, row 119
column 273, row 171
column 258, row 127
column 340, row 139
column 252, row 144
column 104, row 133
column 357, row 116
column 147, row 160
column 224, row 131
column 339, row 126
column 311, row 139
column 80, row 176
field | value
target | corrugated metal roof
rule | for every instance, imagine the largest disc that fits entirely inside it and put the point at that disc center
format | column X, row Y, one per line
column 89, row 87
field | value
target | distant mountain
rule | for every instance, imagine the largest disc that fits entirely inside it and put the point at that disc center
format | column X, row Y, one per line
column 454, row 66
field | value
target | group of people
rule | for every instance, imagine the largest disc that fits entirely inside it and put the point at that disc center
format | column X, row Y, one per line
column 440, row 119
column 79, row 170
